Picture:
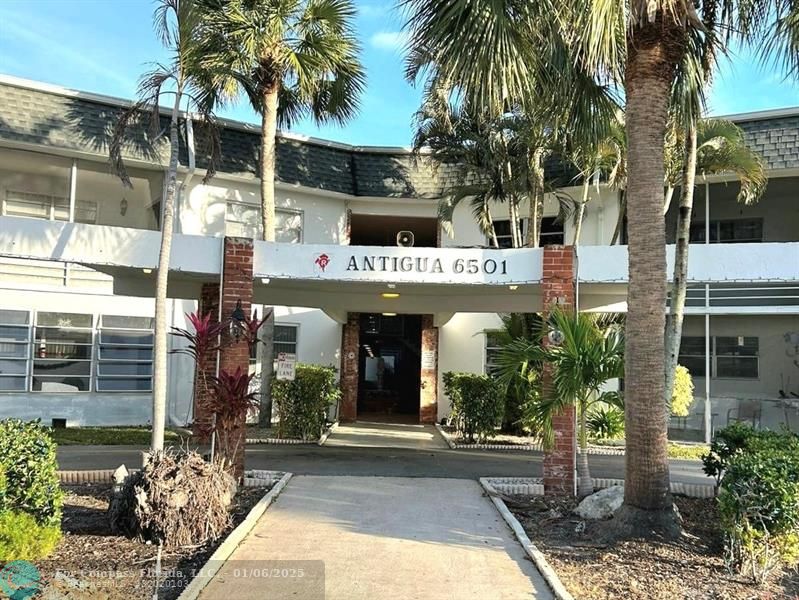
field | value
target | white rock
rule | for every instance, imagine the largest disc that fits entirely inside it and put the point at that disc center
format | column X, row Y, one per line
column 601, row 505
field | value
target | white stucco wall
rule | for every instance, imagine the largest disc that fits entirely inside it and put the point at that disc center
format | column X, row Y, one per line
column 318, row 336
column 461, row 348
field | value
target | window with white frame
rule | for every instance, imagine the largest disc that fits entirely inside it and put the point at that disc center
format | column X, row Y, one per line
column 731, row 357
column 244, row 220
column 49, row 208
column 492, row 349
column 286, row 339
column 15, row 335
column 124, row 354
column 62, row 359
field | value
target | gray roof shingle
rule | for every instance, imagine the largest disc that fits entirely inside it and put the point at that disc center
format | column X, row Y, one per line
column 61, row 119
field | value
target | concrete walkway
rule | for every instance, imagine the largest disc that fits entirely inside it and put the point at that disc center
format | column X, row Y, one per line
column 379, row 537
column 364, row 434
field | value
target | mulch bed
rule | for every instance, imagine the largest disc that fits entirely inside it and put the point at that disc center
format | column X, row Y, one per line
column 91, row 562
column 500, row 439
column 690, row 568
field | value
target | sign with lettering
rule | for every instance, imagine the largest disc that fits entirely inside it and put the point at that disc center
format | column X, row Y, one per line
column 398, row 264
column 286, row 366
column 428, row 360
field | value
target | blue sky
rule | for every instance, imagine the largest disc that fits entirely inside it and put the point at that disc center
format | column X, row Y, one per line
column 102, row 46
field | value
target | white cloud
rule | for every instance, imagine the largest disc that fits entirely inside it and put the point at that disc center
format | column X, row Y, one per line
column 389, row 40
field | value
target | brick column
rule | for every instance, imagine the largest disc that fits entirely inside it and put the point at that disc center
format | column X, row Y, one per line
column 428, row 394
column 236, row 285
column 557, row 288
column 350, row 348
column 202, row 420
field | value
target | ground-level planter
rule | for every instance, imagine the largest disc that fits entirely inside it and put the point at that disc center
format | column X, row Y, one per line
column 292, row 441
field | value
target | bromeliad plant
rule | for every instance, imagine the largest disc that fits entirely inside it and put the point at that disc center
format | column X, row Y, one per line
column 589, row 355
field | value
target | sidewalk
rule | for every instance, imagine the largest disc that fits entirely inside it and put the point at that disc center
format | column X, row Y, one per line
column 379, row 537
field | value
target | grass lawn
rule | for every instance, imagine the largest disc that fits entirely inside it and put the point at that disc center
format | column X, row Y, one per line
column 686, row 451
column 110, row 436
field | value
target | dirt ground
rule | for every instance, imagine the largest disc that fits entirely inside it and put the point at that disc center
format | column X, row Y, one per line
column 92, row 563
column 691, row 568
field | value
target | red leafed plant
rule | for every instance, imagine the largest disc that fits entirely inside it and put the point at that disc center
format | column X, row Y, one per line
column 203, row 340
column 230, row 401
column 252, row 325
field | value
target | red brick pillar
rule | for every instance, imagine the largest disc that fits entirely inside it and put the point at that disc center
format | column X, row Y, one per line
column 202, row 420
column 350, row 348
column 558, row 289
column 428, row 394
column 236, row 286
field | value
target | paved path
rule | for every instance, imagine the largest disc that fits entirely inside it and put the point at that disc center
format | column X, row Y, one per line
column 380, row 537
column 386, row 435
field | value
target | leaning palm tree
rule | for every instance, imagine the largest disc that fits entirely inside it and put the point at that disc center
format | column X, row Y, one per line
column 184, row 79
column 587, row 357
column 504, row 51
column 716, row 146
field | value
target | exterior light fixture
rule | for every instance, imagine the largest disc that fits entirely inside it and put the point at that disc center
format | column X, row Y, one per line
column 513, row 288
column 390, row 295
column 389, row 314
column 146, row 271
column 265, row 280
column 237, row 319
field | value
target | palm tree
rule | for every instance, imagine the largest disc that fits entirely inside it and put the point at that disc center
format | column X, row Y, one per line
column 582, row 363
column 176, row 23
column 291, row 59
column 504, row 51
column 713, row 147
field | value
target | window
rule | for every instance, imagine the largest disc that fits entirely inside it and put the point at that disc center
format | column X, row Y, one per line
column 125, row 354
column 736, row 357
column 551, row 232
column 492, row 349
column 244, row 220
column 285, row 339
column 14, row 350
column 731, row 357
column 50, row 208
column 732, row 231
column 63, row 353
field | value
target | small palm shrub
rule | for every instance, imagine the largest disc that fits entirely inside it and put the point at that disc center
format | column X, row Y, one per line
column 605, row 423
column 23, row 538
column 477, row 403
column 302, row 404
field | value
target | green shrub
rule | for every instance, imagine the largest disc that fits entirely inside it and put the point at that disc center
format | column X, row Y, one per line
column 605, row 423
column 27, row 455
column 302, row 404
column 726, row 443
column 22, row 538
column 759, row 501
column 478, row 404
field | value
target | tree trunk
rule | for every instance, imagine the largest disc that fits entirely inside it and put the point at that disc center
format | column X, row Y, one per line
column 513, row 216
column 620, row 219
column 536, row 200
column 680, row 284
column 652, row 56
column 160, row 350
column 585, row 487
column 492, row 231
column 533, row 235
column 267, row 166
column 578, row 218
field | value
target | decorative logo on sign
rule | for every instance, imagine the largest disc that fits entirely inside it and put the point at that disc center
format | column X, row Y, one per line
column 322, row 261
column 20, row 580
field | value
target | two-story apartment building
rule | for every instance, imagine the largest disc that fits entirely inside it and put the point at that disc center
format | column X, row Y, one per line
column 78, row 250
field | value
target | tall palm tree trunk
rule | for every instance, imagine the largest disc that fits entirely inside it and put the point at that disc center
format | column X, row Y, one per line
column 268, row 162
column 492, row 231
column 680, row 284
column 585, row 486
column 160, row 351
column 620, row 219
column 578, row 217
column 513, row 216
column 668, row 197
column 536, row 200
column 653, row 52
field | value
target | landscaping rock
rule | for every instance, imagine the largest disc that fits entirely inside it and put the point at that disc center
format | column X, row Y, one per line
column 601, row 505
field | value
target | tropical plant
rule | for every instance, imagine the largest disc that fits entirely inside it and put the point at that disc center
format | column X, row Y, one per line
column 682, row 392
column 302, row 403
column 290, row 59
column 477, row 403
column 230, row 401
column 581, row 364
column 176, row 23
column 606, row 422
column 510, row 51
column 711, row 147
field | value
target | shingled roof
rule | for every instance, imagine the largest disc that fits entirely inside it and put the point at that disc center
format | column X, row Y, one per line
column 34, row 113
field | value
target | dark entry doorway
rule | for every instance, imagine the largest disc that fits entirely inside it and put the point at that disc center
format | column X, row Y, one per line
column 389, row 367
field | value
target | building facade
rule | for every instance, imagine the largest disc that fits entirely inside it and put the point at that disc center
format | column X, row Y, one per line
column 78, row 251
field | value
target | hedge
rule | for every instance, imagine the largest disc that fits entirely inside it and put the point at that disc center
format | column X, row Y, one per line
column 477, row 403
column 302, row 404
